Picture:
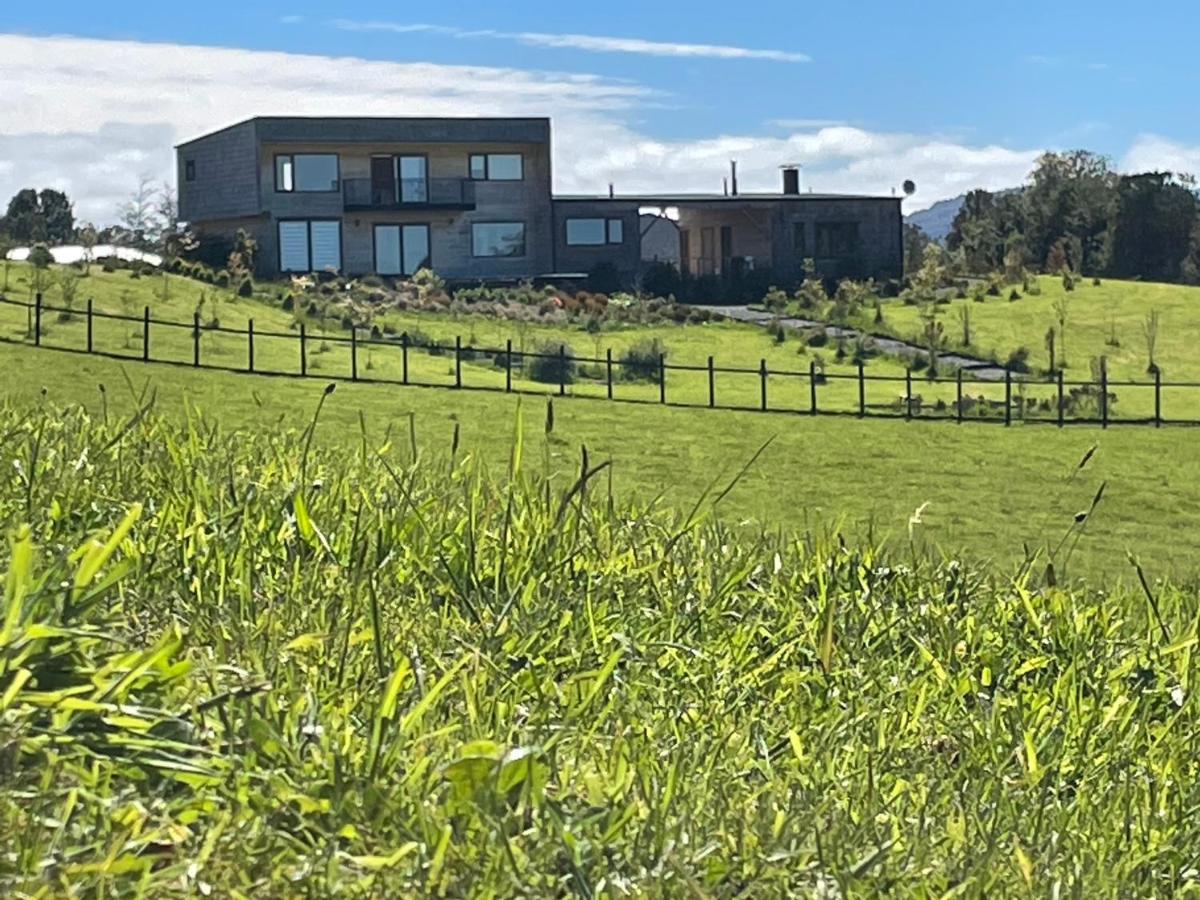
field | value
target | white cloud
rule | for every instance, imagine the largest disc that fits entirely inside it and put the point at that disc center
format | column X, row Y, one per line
column 1153, row 153
column 95, row 115
column 805, row 124
column 587, row 42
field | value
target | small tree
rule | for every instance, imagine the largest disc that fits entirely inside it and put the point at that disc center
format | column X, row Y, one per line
column 40, row 258
column 241, row 259
column 139, row 214
column 68, row 286
column 6, row 246
column 1050, row 335
column 1062, row 310
column 964, row 316
column 1150, row 330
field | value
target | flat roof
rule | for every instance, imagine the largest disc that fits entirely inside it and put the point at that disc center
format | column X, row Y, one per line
column 669, row 199
column 398, row 129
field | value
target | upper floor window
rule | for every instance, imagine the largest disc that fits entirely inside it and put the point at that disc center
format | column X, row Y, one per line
column 836, row 239
column 498, row 239
column 594, row 232
column 497, row 167
column 189, row 170
column 306, row 172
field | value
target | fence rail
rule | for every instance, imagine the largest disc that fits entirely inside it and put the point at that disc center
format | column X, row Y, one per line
column 1060, row 402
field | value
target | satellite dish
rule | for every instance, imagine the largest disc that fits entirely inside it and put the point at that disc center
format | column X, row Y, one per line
column 910, row 187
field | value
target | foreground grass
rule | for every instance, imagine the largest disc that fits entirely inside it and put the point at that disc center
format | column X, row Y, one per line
column 992, row 492
column 232, row 665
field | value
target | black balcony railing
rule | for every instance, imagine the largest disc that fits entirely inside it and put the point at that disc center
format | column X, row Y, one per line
column 415, row 193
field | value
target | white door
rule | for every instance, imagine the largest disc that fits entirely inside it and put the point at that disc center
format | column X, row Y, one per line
column 293, row 247
column 387, row 250
column 326, row 246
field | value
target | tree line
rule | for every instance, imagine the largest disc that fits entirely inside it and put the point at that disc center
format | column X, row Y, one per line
column 1077, row 215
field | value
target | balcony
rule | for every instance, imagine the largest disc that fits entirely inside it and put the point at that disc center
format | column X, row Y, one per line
column 362, row 194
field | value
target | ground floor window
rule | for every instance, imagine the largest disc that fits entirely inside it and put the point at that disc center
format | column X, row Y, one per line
column 310, row 246
column 836, row 239
column 401, row 249
column 498, row 239
column 594, row 232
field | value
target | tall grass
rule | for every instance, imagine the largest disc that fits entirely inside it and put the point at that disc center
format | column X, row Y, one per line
column 249, row 666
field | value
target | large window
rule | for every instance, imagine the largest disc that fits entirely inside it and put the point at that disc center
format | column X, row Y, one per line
column 497, row 167
column 837, row 239
column 401, row 249
column 309, row 173
column 498, row 239
column 594, row 232
column 310, row 246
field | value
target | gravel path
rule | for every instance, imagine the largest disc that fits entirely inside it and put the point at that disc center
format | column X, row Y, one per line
column 981, row 369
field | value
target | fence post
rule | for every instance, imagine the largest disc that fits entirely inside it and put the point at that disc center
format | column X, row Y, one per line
column 908, row 392
column 250, row 345
column 508, row 360
column 1157, row 397
column 712, row 384
column 89, row 325
column 146, row 334
column 303, row 351
column 608, row 370
column 762, row 378
column 1007, row 397
column 662, row 378
column 1103, row 394
column 354, row 353
column 958, row 401
column 812, row 387
column 458, row 360
column 404, row 356
column 37, row 319
column 562, row 369
column 196, row 340
column 862, row 391
column 1061, row 400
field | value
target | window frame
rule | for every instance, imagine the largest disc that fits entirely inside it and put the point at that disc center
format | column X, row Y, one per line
column 855, row 245
column 487, row 166
column 607, row 231
column 428, row 226
column 308, row 223
column 189, row 170
column 475, row 254
column 279, row 189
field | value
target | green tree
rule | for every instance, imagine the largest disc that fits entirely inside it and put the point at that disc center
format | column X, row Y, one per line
column 915, row 242
column 1153, row 227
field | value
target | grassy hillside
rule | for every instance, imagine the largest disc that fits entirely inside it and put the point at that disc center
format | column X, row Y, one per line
column 1105, row 320
column 991, row 490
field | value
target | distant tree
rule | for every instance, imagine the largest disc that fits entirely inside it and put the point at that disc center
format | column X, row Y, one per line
column 58, row 215
column 87, row 237
column 915, row 242
column 1062, row 312
column 139, row 215
column 33, row 217
column 976, row 233
column 6, row 245
column 1070, row 194
column 1153, row 227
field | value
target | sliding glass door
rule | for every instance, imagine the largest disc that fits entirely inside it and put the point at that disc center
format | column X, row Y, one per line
column 401, row 249
column 412, row 175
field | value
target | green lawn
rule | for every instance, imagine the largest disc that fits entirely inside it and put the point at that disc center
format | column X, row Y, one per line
column 990, row 490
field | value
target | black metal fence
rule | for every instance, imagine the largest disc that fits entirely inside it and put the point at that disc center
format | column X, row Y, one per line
column 1057, row 401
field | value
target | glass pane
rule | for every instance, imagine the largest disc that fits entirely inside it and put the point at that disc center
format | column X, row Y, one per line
column 478, row 167
column 293, row 247
column 387, row 250
column 326, row 246
column 283, row 173
column 416, row 248
column 498, row 239
column 585, row 231
column 316, row 172
column 616, row 231
column 413, row 186
column 504, row 167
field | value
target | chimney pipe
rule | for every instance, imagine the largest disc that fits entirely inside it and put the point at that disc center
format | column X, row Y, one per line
column 725, row 186
column 733, row 177
column 611, row 192
column 791, row 180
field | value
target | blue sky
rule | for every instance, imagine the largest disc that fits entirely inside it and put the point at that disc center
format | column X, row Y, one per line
column 864, row 94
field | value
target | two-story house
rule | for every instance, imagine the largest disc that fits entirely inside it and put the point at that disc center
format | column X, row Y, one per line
column 471, row 199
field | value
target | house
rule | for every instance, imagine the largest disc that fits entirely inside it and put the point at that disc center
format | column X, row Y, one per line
column 471, row 198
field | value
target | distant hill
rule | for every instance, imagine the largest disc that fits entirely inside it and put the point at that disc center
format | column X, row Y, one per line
column 936, row 220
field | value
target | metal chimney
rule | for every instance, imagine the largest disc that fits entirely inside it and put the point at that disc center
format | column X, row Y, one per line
column 791, row 179
column 733, row 177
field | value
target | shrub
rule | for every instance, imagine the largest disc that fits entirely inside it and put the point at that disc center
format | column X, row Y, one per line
column 246, row 288
column 604, row 278
column 222, row 279
column 661, row 279
column 40, row 256
column 817, row 337
column 1014, row 296
column 553, row 364
column 289, row 302
column 641, row 361
column 1018, row 360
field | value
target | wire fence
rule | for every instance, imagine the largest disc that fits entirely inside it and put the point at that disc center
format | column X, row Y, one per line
column 1016, row 399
